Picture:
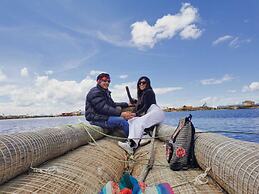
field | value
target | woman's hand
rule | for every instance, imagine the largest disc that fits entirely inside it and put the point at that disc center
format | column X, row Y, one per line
column 127, row 115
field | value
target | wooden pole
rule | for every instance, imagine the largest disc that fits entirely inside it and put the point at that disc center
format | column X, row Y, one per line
column 151, row 160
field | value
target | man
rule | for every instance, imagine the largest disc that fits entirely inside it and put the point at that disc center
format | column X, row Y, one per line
column 101, row 110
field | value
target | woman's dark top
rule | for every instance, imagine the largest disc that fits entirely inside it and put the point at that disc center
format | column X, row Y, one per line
column 145, row 100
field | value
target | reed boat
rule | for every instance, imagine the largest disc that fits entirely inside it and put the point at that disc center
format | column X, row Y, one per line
column 82, row 159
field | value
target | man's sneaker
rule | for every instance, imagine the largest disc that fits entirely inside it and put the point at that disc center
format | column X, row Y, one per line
column 126, row 147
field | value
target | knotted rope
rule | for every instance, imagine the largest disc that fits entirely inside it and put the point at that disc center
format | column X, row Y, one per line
column 51, row 170
column 201, row 179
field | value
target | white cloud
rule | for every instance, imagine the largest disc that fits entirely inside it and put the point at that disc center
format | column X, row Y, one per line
column 190, row 32
column 123, row 76
column 24, row 72
column 233, row 42
column 96, row 72
column 7, row 89
column 159, row 91
column 222, row 39
column 2, row 75
column 213, row 81
column 219, row 101
column 119, row 91
column 145, row 35
column 209, row 100
column 68, row 92
column 51, row 96
column 236, row 42
column 254, row 86
column 77, row 62
column 114, row 40
column 232, row 91
column 49, row 72
column 47, row 96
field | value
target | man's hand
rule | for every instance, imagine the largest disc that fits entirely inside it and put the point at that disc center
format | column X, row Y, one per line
column 127, row 115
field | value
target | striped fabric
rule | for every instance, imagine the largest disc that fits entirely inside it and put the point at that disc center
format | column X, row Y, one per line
column 129, row 185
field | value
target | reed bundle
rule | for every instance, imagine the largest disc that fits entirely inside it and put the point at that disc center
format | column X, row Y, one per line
column 234, row 164
column 21, row 150
column 84, row 170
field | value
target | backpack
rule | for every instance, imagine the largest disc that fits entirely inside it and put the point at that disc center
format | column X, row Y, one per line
column 180, row 147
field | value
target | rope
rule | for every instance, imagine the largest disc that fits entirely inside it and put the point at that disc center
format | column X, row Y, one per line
column 131, row 159
column 100, row 147
column 122, row 138
column 201, row 179
column 157, row 137
column 51, row 170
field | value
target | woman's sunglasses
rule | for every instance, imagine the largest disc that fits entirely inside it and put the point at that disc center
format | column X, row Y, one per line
column 142, row 83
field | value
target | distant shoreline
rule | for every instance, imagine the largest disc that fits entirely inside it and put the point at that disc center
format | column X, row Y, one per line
column 183, row 109
column 190, row 108
column 36, row 116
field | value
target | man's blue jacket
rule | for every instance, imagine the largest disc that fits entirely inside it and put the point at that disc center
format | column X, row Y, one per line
column 99, row 105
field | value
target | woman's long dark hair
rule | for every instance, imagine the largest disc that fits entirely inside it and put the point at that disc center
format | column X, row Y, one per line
column 148, row 86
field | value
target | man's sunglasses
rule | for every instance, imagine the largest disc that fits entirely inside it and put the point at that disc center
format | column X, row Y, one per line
column 106, row 80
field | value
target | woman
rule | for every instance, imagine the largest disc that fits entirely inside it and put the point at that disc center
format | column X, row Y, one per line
column 147, row 114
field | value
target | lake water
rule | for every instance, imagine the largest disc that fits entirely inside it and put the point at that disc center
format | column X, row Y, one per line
column 243, row 121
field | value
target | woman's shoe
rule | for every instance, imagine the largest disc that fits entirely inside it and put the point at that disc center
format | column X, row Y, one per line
column 126, row 147
column 146, row 139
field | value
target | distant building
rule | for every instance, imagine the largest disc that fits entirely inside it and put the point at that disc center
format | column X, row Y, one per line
column 169, row 109
column 75, row 113
column 235, row 106
column 248, row 103
column 187, row 107
column 204, row 105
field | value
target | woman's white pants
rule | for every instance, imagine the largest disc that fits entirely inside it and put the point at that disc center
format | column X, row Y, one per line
column 154, row 115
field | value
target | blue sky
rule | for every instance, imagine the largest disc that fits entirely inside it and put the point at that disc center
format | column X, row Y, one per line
column 193, row 51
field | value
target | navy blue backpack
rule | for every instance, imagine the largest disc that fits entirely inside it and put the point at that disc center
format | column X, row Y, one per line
column 180, row 147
